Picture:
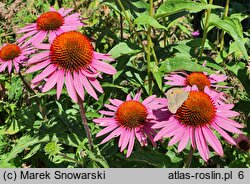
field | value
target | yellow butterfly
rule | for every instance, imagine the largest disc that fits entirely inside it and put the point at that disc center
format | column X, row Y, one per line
column 176, row 97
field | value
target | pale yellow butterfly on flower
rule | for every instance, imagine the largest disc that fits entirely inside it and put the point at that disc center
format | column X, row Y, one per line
column 176, row 97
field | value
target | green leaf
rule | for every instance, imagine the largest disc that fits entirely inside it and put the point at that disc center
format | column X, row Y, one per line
column 157, row 75
column 123, row 49
column 106, row 84
column 15, row 89
column 33, row 151
column 233, row 29
column 152, row 158
column 182, row 62
column 240, row 70
column 148, row 20
column 25, row 142
column 70, row 139
column 175, row 6
column 14, row 127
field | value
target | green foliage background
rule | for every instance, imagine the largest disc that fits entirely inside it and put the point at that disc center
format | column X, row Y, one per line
column 28, row 140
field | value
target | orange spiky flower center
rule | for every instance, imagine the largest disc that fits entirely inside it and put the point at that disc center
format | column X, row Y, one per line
column 10, row 52
column 49, row 21
column 199, row 79
column 131, row 114
column 71, row 50
column 197, row 110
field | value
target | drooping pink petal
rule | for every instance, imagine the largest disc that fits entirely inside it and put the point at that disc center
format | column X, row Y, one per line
column 223, row 133
column 103, row 67
column 151, row 138
column 38, row 66
column 131, row 143
column 177, row 137
column 111, row 107
column 95, row 83
column 125, row 140
column 184, row 140
column 51, row 82
column 231, row 122
column 116, row 102
column 102, row 56
column 137, row 96
column 9, row 66
column 200, row 144
column 27, row 28
column 192, row 136
column 115, row 133
column 61, row 10
column 104, row 121
column 46, row 72
column 227, row 126
column 128, row 97
column 52, row 36
column 52, row 9
column 70, row 86
column 43, row 46
column 107, row 130
column 108, row 113
column 122, row 136
column 78, row 84
column 88, row 87
column 38, row 57
column 148, row 99
column 20, row 40
column 88, row 74
column 72, row 16
column 40, row 36
column 16, row 66
column 60, row 83
column 217, row 78
column 67, row 11
column 212, row 140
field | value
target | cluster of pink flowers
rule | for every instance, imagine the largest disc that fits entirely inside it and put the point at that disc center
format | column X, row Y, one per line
column 195, row 121
column 61, row 55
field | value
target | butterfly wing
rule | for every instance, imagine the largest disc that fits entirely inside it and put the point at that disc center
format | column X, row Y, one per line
column 176, row 97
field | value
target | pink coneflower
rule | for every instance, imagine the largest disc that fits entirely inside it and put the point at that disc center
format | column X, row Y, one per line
column 195, row 33
column 51, row 23
column 195, row 78
column 130, row 119
column 243, row 142
column 70, row 57
column 13, row 54
column 196, row 118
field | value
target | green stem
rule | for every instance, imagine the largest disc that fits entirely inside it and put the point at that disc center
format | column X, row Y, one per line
column 223, row 32
column 129, row 21
column 85, row 123
column 190, row 157
column 208, row 12
column 148, row 51
column 74, row 2
column 30, row 90
column 121, row 26
column 69, row 158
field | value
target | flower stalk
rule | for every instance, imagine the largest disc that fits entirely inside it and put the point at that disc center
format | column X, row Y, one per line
column 149, row 49
column 85, row 124
column 190, row 157
column 148, row 52
column 207, row 17
column 30, row 90
column 223, row 32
